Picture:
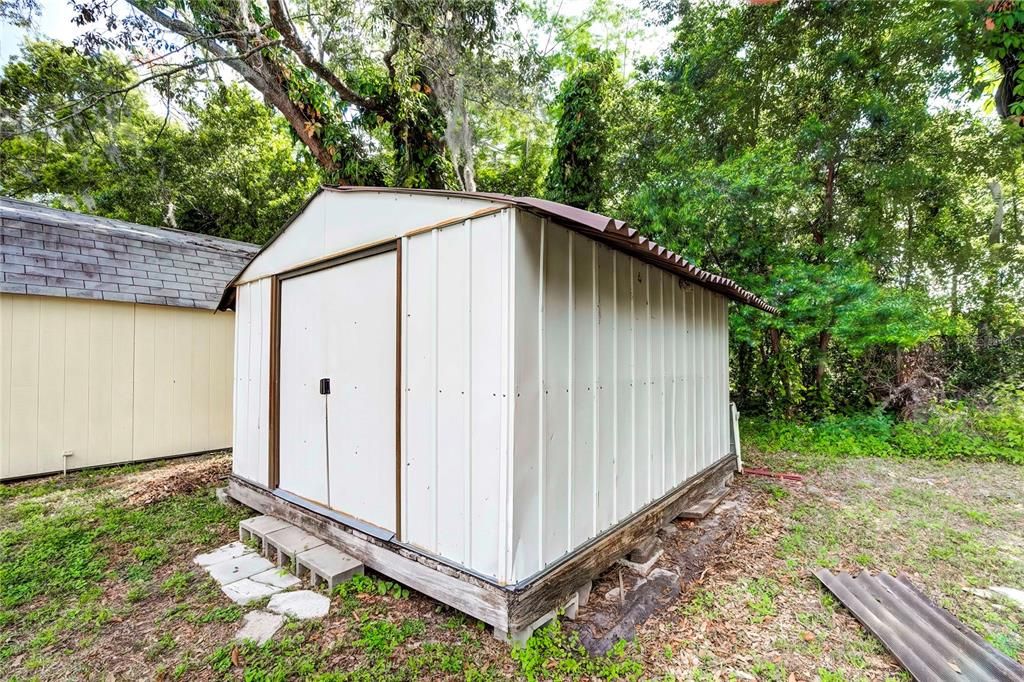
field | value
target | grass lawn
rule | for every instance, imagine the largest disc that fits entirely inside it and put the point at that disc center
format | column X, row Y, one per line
column 97, row 582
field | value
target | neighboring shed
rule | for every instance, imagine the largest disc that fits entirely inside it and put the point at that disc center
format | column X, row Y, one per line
column 507, row 390
column 110, row 348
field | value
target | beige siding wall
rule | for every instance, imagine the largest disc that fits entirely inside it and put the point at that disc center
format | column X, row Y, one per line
column 111, row 382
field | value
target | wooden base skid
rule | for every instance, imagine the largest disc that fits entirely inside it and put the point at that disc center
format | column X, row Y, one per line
column 514, row 611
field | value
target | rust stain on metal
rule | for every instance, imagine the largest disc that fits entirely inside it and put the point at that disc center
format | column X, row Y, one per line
column 927, row 640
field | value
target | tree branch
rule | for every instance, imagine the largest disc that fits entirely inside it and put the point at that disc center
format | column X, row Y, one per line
column 94, row 100
column 272, row 88
column 290, row 35
column 209, row 43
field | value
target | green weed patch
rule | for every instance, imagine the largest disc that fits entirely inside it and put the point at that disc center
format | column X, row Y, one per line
column 992, row 431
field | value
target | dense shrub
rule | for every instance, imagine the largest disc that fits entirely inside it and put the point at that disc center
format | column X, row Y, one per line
column 990, row 428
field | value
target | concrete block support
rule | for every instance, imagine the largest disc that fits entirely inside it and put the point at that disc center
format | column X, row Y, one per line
column 327, row 565
column 287, row 543
column 258, row 527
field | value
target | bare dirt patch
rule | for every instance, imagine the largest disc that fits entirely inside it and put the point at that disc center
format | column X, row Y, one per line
column 178, row 478
column 758, row 611
column 622, row 598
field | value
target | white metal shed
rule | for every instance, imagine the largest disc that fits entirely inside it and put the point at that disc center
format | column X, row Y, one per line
column 111, row 349
column 489, row 384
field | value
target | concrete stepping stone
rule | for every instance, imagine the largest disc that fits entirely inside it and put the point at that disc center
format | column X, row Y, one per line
column 248, row 590
column 235, row 569
column 302, row 604
column 328, row 565
column 225, row 553
column 259, row 626
column 259, row 526
column 276, row 577
column 287, row 543
column 1011, row 593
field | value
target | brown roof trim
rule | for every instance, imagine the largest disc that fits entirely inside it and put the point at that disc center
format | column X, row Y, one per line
column 614, row 233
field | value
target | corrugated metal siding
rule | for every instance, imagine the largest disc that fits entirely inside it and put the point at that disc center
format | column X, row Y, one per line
column 112, row 382
column 251, row 386
column 621, row 388
column 927, row 640
column 455, row 404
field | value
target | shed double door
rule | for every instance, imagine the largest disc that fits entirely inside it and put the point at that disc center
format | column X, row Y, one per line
column 339, row 449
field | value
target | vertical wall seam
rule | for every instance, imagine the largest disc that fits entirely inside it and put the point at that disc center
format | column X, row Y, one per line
column 434, row 237
column 704, row 380
column 541, row 402
column 64, row 389
column 594, row 387
column 403, row 379
column 633, row 390
column 508, row 387
column 570, row 391
column 131, row 410
column 649, row 371
column 666, row 403
column 728, row 386
column 675, row 381
column 467, row 399
column 39, row 362
column 615, row 386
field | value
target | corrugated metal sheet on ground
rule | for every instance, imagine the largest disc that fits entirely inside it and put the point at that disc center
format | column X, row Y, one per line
column 927, row 640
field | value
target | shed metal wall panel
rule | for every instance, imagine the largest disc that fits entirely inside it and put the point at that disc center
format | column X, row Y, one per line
column 605, row 395
column 98, row 379
column 620, row 389
column 252, row 382
column 583, row 392
column 526, row 464
column 454, row 399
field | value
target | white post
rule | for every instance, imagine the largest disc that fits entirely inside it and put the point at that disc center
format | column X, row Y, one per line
column 736, row 436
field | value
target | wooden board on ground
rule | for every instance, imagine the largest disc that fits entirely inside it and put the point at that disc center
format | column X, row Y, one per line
column 704, row 506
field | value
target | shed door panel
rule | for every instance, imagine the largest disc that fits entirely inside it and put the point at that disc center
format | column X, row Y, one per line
column 339, row 450
column 361, row 361
column 303, row 427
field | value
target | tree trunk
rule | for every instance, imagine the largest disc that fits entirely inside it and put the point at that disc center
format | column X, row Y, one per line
column 908, row 250
column 954, row 295
column 824, row 337
column 995, row 233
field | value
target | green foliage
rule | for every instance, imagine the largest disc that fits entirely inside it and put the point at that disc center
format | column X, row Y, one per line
column 230, row 170
column 552, row 652
column 1003, row 42
column 993, row 430
column 837, row 175
column 366, row 584
column 66, row 541
column 381, row 637
column 761, row 599
column 577, row 173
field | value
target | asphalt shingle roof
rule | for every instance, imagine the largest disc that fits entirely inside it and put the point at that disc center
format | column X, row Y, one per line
column 49, row 252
